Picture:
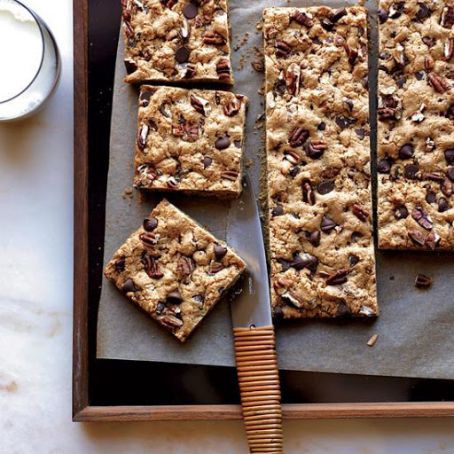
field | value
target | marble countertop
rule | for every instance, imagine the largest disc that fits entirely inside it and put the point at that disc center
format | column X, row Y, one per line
column 36, row 244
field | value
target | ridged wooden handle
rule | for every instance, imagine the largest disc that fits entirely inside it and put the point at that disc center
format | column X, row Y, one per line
column 258, row 376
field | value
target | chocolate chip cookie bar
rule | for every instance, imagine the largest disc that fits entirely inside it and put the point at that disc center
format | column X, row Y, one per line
column 177, row 40
column 174, row 269
column 318, row 162
column 190, row 141
column 416, row 125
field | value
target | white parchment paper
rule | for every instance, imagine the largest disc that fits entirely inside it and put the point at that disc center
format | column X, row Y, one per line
column 415, row 328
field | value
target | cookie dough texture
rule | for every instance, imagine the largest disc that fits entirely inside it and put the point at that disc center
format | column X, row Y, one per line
column 318, row 162
column 177, row 40
column 174, row 269
column 190, row 141
column 416, row 125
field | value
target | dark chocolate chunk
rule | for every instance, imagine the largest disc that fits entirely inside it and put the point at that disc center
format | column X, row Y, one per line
column 305, row 260
column 431, row 197
column 344, row 122
column 219, row 251
column 406, row 151
column 411, row 171
column 190, row 10
column 237, row 143
column 278, row 210
column 128, row 286
column 149, row 224
column 130, row 66
column 338, row 278
column 207, row 161
column 382, row 15
column 182, row 55
column 325, row 187
column 327, row 224
column 120, row 265
column 222, row 143
column 314, row 238
column 417, row 237
column 384, row 165
column 423, row 12
column 449, row 156
column 443, row 205
column 400, row 212
column 321, row 126
column 353, row 260
column 174, row 297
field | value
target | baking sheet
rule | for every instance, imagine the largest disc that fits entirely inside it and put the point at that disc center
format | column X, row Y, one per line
column 415, row 327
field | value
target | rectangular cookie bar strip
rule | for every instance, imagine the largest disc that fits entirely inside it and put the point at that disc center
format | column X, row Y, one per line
column 177, row 40
column 174, row 269
column 190, row 141
column 416, row 125
column 318, row 162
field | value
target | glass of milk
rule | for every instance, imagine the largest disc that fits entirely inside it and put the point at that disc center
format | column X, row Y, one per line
column 29, row 61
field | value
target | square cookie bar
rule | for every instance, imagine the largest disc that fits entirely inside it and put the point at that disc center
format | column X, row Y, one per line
column 416, row 125
column 318, row 162
column 177, row 40
column 174, row 269
column 190, row 141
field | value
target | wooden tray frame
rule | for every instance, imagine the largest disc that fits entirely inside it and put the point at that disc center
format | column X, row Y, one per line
column 82, row 410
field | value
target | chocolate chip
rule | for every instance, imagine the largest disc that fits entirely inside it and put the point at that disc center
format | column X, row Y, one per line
column 286, row 264
column 222, row 143
column 406, row 151
column 190, row 10
column 120, row 265
column 321, row 126
column 361, row 133
column 325, row 187
column 338, row 278
column 130, row 66
column 327, row 224
column 219, row 251
column 449, row 156
column 182, row 55
column 382, row 15
column 237, row 143
column 207, row 161
column 423, row 281
column 145, row 97
column 400, row 212
column 450, row 173
column 384, row 165
column 314, row 238
column 353, row 260
column 443, row 205
column 411, row 171
column 423, row 12
column 128, row 286
column 174, row 297
column 447, row 17
column 344, row 122
column 278, row 210
column 149, row 224
column 301, row 261
column 431, row 197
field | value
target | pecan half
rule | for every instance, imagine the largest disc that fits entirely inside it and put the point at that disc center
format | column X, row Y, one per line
column 438, row 83
column 213, row 38
column 297, row 137
column 308, row 193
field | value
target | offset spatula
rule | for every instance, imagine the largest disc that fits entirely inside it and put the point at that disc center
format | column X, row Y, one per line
column 255, row 345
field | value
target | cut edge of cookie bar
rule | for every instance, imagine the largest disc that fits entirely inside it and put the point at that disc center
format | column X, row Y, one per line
column 196, row 177
column 415, row 126
column 367, row 305
column 140, row 70
column 175, row 311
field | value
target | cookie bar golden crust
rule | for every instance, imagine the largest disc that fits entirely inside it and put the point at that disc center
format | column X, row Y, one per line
column 174, row 269
column 318, row 162
column 190, row 141
column 416, row 125
column 177, row 40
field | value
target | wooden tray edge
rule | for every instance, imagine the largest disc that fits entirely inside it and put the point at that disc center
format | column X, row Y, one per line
column 290, row 411
column 82, row 411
